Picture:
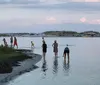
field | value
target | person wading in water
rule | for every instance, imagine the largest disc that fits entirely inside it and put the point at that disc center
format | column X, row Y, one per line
column 66, row 51
column 55, row 48
column 44, row 49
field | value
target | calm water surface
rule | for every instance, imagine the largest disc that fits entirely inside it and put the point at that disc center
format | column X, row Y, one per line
column 83, row 69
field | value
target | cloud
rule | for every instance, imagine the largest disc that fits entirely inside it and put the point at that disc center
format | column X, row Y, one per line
column 83, row 19
column 77, row 5
column 95, row 21
column 19, row 14
column 90, row 21
column 92, row 0
column 85, row 1
column 74, row 6
column 44, row 1
column 51, row 20
column 18, row 1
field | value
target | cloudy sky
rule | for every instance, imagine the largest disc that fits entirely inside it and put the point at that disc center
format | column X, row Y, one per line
column 44, row 15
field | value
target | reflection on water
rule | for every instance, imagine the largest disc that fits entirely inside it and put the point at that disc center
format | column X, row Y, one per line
column 55, row 65
column 83, row 68
column 44, row 67
column 66, row 68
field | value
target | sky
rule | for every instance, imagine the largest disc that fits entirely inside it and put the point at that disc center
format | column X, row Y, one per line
column 45, row 15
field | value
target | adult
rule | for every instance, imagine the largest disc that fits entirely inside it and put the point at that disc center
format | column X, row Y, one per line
column 44, row 49
column 15, row 42
column 5, row 42
column 11, row 41
column 55, row 48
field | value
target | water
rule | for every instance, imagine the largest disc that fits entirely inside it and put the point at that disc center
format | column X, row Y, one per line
column 83, row 68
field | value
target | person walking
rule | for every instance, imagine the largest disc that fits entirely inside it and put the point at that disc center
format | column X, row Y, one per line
column 32, row 44
column 15, row 42
column 55, row 48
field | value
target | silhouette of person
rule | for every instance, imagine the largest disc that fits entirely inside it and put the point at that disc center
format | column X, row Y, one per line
column 5, row 42
column 15, row 42
column 44, row 66
column 66, row 51
column 66, row 67
column 55, row 48
column 44, row 49
column 11, row 41
column 55, row 65
column 32, row 46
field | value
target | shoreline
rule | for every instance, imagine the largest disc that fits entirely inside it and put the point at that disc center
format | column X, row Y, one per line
column 24, row 66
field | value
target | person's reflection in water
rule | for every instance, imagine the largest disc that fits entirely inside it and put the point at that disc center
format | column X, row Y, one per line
column 55, row 65
column 44, row 67
column 66, row 67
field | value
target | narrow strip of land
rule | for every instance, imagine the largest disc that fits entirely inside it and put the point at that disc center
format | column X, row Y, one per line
column 16, row 62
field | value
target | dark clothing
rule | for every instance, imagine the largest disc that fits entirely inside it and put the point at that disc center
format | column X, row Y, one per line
column 66, row 50
column 11, row 40
column 5, row 43
column 44, row 47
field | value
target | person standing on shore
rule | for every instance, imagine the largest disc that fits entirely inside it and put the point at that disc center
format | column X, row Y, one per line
column 5, row 42
column 11, row 41
column 66, row 51
column 15, row 42
column 55, row 48
column 44, row 49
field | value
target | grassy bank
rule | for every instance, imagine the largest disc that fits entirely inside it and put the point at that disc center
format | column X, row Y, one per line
column 9, row 57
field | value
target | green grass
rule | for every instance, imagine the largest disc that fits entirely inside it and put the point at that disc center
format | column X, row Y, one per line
column 7, row 53
column 9, row 57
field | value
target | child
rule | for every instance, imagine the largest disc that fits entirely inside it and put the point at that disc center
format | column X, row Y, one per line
column 32, row 44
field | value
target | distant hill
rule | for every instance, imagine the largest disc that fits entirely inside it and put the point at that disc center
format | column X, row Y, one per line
column 55, row 33
column 72, row 33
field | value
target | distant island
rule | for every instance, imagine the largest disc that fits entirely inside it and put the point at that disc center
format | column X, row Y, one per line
column 54, row 34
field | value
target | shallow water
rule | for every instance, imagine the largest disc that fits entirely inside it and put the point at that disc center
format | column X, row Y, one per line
column 83, row 68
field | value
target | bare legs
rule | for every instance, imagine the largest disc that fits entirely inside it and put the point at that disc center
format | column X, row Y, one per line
column 16, row 46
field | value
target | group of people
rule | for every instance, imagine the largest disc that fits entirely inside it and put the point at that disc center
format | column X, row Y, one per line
column 12, row 41
column 55, row 49
column 44, row 47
